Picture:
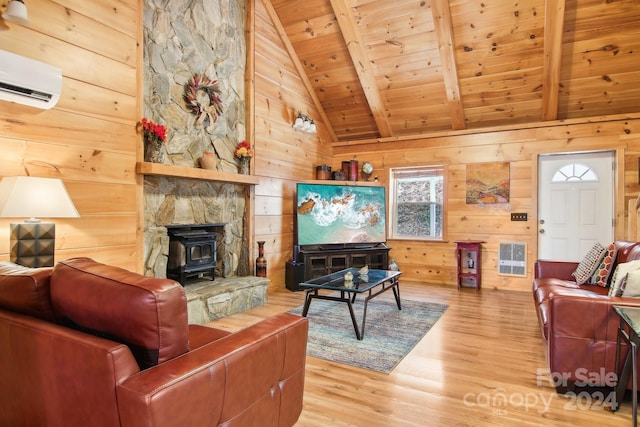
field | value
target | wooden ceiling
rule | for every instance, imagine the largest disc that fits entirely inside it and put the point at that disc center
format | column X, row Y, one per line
column 390, row 68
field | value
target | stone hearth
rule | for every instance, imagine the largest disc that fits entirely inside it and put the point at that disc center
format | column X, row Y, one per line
column 209, row 300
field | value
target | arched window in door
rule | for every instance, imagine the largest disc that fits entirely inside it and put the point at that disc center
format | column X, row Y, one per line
column 575, row 172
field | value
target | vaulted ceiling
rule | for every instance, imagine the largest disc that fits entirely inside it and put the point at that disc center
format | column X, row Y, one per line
column 389, row 68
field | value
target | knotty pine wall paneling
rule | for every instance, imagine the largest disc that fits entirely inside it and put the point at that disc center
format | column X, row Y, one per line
column 434, row 262
column 88, row 139
column 283, row 156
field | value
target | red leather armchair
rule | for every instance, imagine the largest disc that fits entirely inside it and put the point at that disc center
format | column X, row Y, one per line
column 86, row 344
column 577, row 322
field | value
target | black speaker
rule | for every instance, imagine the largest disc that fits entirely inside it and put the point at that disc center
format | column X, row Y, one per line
column 294, row 274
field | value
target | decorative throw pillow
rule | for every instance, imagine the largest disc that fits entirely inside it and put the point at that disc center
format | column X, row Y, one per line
column 632, row 287
column 603, row 272
column 623, row 284
column 588, row 265
column 620, row 274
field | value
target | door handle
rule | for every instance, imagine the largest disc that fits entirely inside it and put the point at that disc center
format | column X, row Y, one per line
column 541, row 231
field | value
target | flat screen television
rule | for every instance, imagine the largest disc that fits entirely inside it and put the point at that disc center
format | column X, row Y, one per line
column 346, row 215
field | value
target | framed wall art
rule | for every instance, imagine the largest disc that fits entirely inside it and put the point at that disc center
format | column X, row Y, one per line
column 488, row 183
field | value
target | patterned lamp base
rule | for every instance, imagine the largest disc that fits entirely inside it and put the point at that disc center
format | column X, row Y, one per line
column 32, row 244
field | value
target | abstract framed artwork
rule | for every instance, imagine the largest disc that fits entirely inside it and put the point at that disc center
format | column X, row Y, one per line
column 488, row 183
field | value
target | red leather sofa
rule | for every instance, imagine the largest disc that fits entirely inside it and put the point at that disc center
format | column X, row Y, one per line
column 87, row 344
column 577, row 322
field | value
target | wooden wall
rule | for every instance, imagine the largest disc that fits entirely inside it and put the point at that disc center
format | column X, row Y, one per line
column 435, row 262
column 89, row 138
column 292, row 157
column 283, row 156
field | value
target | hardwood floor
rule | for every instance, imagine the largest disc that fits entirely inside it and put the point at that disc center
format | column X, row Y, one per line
column 482, row 364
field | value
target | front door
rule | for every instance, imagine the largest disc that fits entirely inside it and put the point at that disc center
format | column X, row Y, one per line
column 575, row 204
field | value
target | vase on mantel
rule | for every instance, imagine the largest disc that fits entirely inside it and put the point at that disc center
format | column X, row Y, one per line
column 153, row 153
column 208, row 160
column 244, row 165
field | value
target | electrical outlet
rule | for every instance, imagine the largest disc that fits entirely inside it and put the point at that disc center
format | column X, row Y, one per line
column 522, row 216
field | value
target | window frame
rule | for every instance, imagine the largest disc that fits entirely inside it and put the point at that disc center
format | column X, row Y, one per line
column 396, row 173
column 587, row 175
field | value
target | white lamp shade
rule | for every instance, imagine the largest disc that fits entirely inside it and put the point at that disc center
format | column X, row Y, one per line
column 16, row 12
column 32, row 197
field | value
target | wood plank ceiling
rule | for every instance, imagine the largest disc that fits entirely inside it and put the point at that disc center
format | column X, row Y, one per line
column 390, row 68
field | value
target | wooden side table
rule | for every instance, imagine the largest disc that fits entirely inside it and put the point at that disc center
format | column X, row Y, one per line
column 468, row 256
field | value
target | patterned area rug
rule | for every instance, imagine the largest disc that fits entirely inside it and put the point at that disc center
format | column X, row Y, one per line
column 389, row 333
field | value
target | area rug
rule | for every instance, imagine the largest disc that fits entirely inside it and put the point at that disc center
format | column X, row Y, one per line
column 389, row 333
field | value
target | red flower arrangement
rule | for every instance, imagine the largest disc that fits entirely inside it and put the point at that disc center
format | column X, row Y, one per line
column 243, row 150
column 153, row 132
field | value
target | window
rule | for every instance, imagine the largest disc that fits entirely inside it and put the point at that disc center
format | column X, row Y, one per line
column 417, row 203
column 574, row 172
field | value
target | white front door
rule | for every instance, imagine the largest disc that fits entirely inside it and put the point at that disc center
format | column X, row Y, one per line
column 575, row 204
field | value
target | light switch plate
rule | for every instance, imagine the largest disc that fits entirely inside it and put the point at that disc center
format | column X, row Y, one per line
column 521, row 216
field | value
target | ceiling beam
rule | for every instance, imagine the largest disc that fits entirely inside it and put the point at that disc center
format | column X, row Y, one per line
column 299, row 67
column 443, row 26
column 362, row 65
column 553, row 27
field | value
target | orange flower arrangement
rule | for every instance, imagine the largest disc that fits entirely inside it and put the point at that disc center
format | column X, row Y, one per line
column 243, row 150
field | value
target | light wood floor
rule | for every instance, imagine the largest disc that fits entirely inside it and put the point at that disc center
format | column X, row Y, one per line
column 482, row 364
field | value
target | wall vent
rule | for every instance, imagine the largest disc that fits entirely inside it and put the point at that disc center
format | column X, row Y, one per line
column 512, row 259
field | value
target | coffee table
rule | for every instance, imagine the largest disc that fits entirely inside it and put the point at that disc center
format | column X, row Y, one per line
column 375, row 283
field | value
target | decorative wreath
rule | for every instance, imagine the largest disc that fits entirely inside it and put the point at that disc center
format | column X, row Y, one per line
column 207, row 114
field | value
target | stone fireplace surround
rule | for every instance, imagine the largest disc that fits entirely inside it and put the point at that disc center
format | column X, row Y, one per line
column 182, row 39
column 176, row 201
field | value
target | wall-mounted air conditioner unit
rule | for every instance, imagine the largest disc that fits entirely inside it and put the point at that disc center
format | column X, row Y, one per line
column 29, row 82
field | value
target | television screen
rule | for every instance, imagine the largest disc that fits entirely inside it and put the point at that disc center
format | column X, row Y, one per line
column 340, row 214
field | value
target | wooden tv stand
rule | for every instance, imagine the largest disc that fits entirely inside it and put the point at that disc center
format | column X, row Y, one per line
column 320, row 261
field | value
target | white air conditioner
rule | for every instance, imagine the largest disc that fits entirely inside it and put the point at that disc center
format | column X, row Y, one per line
column 29, row 82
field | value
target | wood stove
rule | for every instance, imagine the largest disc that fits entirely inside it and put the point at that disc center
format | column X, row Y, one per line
column 192, row 251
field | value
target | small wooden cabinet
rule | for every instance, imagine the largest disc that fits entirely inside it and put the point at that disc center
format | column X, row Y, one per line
column 468, row 257
column 320, row 261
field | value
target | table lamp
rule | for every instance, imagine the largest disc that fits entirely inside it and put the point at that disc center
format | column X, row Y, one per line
column 32, row 243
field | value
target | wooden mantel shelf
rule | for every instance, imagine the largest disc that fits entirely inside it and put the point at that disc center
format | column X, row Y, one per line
column 146, row 168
